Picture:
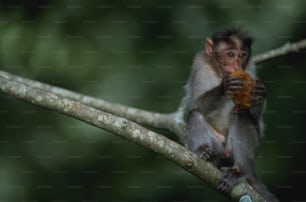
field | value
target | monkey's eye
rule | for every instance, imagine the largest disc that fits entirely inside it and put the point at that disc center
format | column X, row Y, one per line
column 243, row 55
column 230, row 54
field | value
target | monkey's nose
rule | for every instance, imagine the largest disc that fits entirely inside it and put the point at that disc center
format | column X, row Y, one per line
column 236, row 67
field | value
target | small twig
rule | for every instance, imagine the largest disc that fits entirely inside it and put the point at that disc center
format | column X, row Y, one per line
column 126, row 129
column 285, row 49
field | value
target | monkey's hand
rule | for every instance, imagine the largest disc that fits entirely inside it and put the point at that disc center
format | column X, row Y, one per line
column 205, row 152
column 236, row 89
column 244, row 91
column 258, row 93
column 232, row 85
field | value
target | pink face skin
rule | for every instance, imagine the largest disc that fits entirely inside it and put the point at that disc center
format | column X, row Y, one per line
column 229, row 56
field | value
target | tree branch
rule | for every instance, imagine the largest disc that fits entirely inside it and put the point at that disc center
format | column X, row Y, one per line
column 171, row 121
column 283, row 50
column 126, row 129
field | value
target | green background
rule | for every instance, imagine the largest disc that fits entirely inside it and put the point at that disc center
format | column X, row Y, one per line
column 137, row 53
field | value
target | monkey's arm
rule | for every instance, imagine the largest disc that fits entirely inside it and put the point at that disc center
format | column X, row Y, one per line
column 203, row 92
column 204, row 85
column 258, row 99
column 201, row 137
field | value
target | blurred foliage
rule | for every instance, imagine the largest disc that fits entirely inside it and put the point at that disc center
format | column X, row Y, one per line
column 136, row 53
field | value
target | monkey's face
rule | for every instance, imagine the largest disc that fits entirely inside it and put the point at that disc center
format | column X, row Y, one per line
column 231, row 57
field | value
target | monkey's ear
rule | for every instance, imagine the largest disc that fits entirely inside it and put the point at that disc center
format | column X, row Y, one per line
column 209, row 47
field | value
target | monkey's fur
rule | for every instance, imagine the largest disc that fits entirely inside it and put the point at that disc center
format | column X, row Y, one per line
column 217, row 133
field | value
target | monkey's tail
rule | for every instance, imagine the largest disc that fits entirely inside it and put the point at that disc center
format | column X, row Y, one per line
column 261, row 189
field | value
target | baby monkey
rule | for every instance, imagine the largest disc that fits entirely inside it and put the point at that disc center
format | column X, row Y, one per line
column 219, row 130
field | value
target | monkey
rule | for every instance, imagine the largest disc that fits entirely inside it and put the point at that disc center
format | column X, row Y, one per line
column 215, row 131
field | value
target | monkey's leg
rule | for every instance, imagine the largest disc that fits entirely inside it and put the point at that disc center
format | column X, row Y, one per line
column 201, row 138
column 242, row 143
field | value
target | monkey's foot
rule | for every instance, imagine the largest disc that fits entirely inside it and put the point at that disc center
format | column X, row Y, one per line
column 230, row 177
column 205, row 152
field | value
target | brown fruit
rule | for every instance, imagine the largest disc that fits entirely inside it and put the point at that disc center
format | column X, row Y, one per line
column 242, row 98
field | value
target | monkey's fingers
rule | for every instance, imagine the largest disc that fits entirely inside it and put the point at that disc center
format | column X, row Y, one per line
column 259, row 85
column 205, row 152
column 259, row 90
column 232, row 90
column 226, row 183
column 228, row 81
column 230, row 177
column 255, row 100
column 232, row 85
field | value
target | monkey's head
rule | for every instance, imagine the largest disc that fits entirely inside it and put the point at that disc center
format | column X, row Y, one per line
column 229, row 50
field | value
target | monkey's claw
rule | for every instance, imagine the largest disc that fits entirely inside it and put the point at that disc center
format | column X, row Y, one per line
column 224, row 185
column 205, row 152
column 232, row 85
column 230, row 177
